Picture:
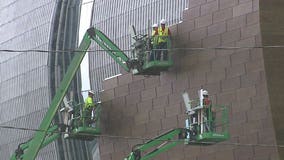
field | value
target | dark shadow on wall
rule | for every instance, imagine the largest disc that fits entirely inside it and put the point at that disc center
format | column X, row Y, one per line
column 272, row 25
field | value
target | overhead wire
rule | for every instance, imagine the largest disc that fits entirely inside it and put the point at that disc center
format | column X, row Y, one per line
column 127, row 50
column 88, row 2
column 146, row 139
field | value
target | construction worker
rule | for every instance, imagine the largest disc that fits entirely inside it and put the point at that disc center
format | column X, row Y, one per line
column 88, row 108
column 206, row 100
column 154, row 40
column 164, row 35
column 210, row 115
column 155, row 33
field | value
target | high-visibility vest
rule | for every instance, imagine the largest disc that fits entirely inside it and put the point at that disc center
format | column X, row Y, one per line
column 89, row 103
column 154, row 32
column 163, row 34
column 155, row 37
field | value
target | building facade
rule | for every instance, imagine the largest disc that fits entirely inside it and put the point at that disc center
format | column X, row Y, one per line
column 28, row 80
column 244, row 76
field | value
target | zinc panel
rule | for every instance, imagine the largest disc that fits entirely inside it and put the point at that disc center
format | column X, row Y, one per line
column 24, row 90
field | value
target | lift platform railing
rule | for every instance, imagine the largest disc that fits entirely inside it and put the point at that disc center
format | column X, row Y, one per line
column 84, row 124
column 157, row 51
column 81, row 115
column 210, row 124
column 158, row 58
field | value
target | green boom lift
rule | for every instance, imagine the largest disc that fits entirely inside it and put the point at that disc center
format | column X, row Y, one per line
column 204, row 125
column 48, row 132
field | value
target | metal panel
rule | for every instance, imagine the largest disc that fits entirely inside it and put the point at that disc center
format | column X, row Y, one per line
column 25, row 76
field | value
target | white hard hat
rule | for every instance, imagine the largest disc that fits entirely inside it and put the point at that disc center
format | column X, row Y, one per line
column 163, row 21
column 155, row 25
column 91, row 92
column 205, row 92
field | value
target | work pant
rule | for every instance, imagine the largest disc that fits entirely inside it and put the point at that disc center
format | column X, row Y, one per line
column 153, row 53
column 87, row 117
column 162, row 54
column 210, row 115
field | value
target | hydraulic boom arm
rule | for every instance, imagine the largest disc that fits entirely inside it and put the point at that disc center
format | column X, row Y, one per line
column 30, row 149
column 52, row 135
column 112, row 49
column 162, row 143
column 41, row 137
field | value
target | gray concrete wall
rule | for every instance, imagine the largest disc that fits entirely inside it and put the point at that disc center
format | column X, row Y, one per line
column 138, row 106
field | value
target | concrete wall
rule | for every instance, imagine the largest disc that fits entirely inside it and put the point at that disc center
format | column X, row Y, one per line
column 137, row 106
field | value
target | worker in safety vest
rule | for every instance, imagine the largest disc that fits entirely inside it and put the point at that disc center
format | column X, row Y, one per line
column 164, row 35
column 154, row 41
column 88, row 108
column 210, row 114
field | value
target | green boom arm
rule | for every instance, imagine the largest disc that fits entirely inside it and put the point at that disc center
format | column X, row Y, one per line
column 52, row 135
column 41, row 137
column 163, row 143
column 30, row 149
column 112, row 49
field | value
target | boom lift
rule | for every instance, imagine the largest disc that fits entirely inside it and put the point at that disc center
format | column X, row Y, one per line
column 204, row 125
column 141, row 50
column 75, row 126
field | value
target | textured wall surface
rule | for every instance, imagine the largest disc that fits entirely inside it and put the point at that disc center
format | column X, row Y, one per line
column 137, row 106
column 28, row 80
column 24, row 87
